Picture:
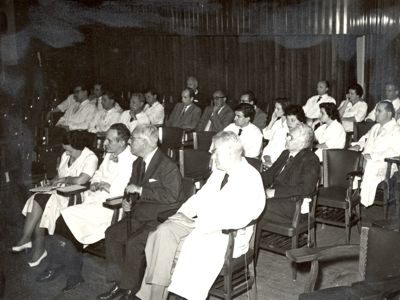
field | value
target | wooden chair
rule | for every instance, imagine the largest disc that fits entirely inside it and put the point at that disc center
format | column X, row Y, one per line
column 338, row 203
column 171, row 139
column 379, row 261
column 279, row 237
column 238, row 275
column 361, row 128
column 195, row 165
column 202, row 140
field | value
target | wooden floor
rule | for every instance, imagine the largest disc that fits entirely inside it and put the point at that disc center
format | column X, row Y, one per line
column 273, row 271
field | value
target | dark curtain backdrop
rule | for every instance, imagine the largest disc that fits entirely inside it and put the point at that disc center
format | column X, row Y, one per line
column 271, row 66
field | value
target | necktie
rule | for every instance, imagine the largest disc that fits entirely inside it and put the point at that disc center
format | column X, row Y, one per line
column 183, row 112
column 319, row 98
column 76, row 108
column 142, row 171
column 240, row 131
column 288, row 161
column 224, row 181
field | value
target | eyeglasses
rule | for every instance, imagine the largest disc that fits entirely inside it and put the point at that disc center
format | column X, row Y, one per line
column 218, row 97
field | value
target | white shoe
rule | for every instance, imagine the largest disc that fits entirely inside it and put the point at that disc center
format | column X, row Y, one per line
column 22, row 247
column 37, row 262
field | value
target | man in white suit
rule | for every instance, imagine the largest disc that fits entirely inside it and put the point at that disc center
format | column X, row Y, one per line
column 221, row 204
column 380, row 142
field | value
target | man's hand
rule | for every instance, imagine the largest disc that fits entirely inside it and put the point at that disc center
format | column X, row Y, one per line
column 367, row 156
column 104, row 186
column 94, row 186
column 126, row 205
column 355, row 148
column 133, row 188
column 270, row 193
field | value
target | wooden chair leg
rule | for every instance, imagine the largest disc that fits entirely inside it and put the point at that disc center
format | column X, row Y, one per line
column 347, row 214
column 358, row 209
column 293, row 265
column 228, row 286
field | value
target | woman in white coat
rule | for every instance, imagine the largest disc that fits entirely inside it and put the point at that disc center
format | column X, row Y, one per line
column 77, row 166
column 331, row 134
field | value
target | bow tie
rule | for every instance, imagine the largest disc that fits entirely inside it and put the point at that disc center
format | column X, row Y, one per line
column 114, row 157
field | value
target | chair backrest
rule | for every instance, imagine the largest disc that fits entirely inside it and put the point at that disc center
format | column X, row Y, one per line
column 361, row 128
column 337, row 163
column 171, row 137
column 255, row 162
column 379, row 253
column 189, row 189
column 202, row 140
column 194, row 163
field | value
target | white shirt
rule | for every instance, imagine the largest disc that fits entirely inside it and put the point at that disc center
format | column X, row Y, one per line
column 251, row 138
column 98, row 102
column 104, row 119
column 379, row 142
column 155, row 113
column 277, row 139
column 333, row 136
column 204, row 248
column 78, row 116
column 67, row 103
column 358, row 111
column 396, row 105
column 311, row 108
column 141, row 118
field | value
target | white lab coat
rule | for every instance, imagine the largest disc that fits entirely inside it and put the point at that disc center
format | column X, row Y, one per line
column 379, row 146
column 202, row 255
column 85, row 163
column 333, row 136
column 277, row 139
column 88, row 221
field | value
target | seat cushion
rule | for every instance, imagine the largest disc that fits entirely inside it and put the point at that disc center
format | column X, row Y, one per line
column 332, row 196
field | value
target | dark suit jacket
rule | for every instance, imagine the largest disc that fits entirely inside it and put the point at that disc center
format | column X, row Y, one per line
column 298, row 178
column 164, row 190
column 189, row 119
column 218, row 121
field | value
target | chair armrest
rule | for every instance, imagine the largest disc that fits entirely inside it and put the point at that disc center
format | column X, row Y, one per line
column 301, row 255
column 113, row 203
column 354, row 174
column 228, row 231
column 72, row 190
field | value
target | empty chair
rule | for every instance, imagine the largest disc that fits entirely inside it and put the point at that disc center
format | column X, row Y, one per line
column 202, row 140
column 195, row 165
column 170, row 139
column 338, row 203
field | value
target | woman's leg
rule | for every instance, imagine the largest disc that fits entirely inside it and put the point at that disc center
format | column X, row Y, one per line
column 32, row 220
column 38, row 242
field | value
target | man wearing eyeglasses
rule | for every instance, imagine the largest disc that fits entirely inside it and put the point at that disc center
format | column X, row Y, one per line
column 217, row 116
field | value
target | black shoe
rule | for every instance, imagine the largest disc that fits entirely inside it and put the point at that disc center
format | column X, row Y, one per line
column 114, row 292
column 49, row 274
column 72, row 283
column 128, row 295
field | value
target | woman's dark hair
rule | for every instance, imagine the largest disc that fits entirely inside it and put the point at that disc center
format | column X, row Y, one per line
column 358, row 88
column 331, row 110
column 284, row 102
column 296, row 110
column 77, row 139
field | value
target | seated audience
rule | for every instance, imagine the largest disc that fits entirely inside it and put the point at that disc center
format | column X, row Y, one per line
column 249, row 134
column 77, row 166
column 216, row 116
column 96, row 95
column 192, row 83
column 380, row 142
column 353, row 109
column 88, row 221
column 67, row 103
column 135, row 116
column 185, row 114
column 293, row 115
column 157, row 182
column 311, row 108
column 275, row 132
column 79, row 114
column 296, row 172
column 106, row 116
column 391, row 95
column 196, row 229
column 153, row 109
column 331, row 134
column 260, row 119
